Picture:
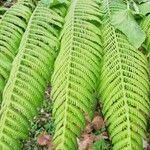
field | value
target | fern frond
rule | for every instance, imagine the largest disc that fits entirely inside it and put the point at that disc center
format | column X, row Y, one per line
column 12, row 26
column 76, row 72
column 30, row 73
column 124, row 88
column 146, row 27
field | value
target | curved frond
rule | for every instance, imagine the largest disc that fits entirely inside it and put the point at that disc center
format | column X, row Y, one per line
column 76, row 72
column 124, row 88
column 30, row 73
column 12, row 26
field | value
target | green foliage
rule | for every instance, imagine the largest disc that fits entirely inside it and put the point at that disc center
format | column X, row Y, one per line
column 76, row 72
column 146, row 27
column 98, row 48
column 141, row 1
column 10, row 36
column 124, row 88
column 101, row 145
column 144, row 8
column 145, row 24
column 3, row 10
column 127, row 24
column 30, row 73
column 53, row 2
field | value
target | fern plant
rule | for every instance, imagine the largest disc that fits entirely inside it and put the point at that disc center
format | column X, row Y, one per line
column 12, row 27
column 30, row 73
column 124, row 87
column 99, row 56
column 76, row 72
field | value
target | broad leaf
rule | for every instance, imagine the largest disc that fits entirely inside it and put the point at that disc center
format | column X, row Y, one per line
column 46, row 2
column 53, row 2
column 141, row 1
column 144, row 8
column 124, row 21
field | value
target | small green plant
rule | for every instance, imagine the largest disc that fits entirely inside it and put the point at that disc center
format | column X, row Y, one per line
column 101, row 145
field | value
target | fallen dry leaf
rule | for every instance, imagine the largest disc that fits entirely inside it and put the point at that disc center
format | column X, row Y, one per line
column 87, row 142
column 88, row 128
column 105, row 134
column 98, row 122
column 97, row 138
column 51, row 146
column 44, row 139
column 145, row 144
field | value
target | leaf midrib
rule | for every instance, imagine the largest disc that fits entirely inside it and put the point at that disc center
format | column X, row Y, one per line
column 122, row 82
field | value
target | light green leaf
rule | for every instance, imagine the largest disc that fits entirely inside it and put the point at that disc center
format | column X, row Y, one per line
column 46, row 2
column 124, row 21
column 144, row 8
column 117, row 5
column 53, row 2
column 141, row 1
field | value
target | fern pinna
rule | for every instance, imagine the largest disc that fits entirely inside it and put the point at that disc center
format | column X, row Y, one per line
column 76, row 72
column 146, row 27
column 12, row 27
column 123, row 88
column 30, row 73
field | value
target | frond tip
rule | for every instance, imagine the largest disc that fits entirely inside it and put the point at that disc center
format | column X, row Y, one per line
column 76, row 72
column 11, row 33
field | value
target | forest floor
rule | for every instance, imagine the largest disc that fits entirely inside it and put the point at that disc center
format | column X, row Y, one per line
column 94, row 137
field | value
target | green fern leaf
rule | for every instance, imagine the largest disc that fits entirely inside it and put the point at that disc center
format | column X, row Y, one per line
column 76, row 72
column 12, row 27
column 146, row 27
column 124, row 88
column 30, row 72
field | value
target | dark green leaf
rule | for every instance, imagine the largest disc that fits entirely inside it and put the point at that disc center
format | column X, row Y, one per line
column 101, row 145
column 56, row 2
column 3, row 10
